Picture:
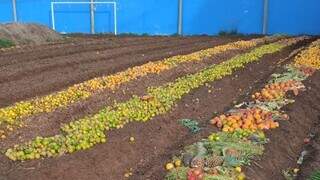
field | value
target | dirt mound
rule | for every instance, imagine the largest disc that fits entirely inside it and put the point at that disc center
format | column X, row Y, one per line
column 28, row 33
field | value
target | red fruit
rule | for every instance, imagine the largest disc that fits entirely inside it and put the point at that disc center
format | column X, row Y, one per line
column 197, row 172
column 191, row 177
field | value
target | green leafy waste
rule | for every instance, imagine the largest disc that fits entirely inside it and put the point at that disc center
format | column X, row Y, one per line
column 206, row 148
column 177, row 174
column 192, row 125
column 291, row 73
column 315, row 175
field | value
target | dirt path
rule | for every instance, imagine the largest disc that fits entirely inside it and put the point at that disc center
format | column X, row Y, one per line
column 156, row 140
column 47, row 80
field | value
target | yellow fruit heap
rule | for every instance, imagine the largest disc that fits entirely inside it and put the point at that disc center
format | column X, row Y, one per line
column 250, row 119
column 82, row 91
column 310, row 57
column 277, row 90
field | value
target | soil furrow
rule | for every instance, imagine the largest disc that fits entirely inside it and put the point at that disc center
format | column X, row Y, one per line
column 72, row 49
column 156, row 140
column 70, row 43
column 17, row 71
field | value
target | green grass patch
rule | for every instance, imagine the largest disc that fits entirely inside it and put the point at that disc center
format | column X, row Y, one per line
column 4, row 43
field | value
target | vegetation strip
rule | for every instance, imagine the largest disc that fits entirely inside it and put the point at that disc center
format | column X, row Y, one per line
column 12, row 114
column 86, row 132
column 222, row 154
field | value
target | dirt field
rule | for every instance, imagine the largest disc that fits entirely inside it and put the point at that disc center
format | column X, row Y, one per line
column 40, row 70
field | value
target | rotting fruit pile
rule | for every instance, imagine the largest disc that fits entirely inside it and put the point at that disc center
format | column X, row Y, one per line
column 86, row 132
column 222, row 154
column 250, row 119
column 11, row 116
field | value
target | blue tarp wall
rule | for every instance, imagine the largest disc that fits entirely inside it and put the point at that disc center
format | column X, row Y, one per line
column 160, row 17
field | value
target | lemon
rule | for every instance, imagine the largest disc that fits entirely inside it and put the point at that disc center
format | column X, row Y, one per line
column 241, row 176
column 169, row 166
column 177, row 163
column 238, row 169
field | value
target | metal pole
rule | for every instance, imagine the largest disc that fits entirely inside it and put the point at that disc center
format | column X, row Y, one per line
column 14, row 10
column 115, row 18
column 265, row 16
column 92, row 16
column 52, row 16
column 180, row 17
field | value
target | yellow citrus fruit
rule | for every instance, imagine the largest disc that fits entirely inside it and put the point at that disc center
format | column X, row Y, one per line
column 169, row 166
column 241, row 176
column 177, row 163
column 238, row 169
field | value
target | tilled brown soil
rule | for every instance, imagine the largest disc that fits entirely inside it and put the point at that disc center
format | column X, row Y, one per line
column 46, row 124
column 69, row 47
column 29, row 80
column 156, row 140
column 30, row 68
column 287, row 142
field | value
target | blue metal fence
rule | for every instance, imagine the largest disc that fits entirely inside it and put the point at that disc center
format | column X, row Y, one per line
column 160, row 17
column 213, row 16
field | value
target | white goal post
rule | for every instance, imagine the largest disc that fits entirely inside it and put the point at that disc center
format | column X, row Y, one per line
column 114, row 5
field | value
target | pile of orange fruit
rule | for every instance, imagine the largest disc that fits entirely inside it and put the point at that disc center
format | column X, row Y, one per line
column 249, row 119
column 277, row 90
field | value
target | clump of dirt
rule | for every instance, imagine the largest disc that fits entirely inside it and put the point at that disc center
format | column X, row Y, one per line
column 28, row 33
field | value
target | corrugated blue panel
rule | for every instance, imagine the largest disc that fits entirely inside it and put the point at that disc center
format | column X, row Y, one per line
column 160, row 17
column 72, row 18
column 213, row 16
column 294, row 17
column 6, row 14
column 148, row 16
column 104, row 18
column 31, row 11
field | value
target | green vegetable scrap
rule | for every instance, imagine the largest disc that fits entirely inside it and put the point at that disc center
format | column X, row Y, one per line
column 192, row 125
